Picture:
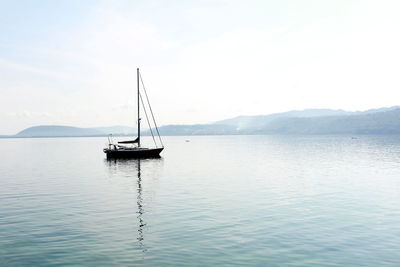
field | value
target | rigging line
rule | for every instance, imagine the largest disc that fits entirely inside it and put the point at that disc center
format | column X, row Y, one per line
column 151, row 110
column 147, row 118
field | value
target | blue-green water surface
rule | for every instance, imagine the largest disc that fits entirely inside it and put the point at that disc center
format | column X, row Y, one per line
column 209, row 201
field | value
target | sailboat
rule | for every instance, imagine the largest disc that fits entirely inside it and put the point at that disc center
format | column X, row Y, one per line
column 133, row 148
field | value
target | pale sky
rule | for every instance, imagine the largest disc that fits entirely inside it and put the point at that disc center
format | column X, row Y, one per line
column 74, row 62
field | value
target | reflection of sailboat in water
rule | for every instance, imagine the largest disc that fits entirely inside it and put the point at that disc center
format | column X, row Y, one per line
column 140, row 206
column 133, row 168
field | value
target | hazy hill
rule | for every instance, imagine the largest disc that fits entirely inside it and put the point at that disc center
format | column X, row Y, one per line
column 56, row 130
column 384, row 122
column 253, row 123
column 243, row 123
column 197, row 129
column 310, row 121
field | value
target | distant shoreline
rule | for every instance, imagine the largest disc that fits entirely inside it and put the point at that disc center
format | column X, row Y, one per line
column 383, row 121
column 65, row 136
column 272, row 134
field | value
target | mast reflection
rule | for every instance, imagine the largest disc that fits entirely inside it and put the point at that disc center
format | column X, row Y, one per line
column 133, row 168
column 140, row 205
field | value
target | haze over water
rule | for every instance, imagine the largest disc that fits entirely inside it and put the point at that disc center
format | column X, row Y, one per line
column 216, row 200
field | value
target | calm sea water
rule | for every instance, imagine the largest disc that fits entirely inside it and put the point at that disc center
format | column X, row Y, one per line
column 213, row 201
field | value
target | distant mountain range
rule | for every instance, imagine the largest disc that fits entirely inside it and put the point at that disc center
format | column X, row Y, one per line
column 309, row 121
column 69, row 131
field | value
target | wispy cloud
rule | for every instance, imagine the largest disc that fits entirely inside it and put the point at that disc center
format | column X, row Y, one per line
column 7, row 64
column 30, row 114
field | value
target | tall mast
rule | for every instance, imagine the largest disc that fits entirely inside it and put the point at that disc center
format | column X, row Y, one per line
column 138, row 106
